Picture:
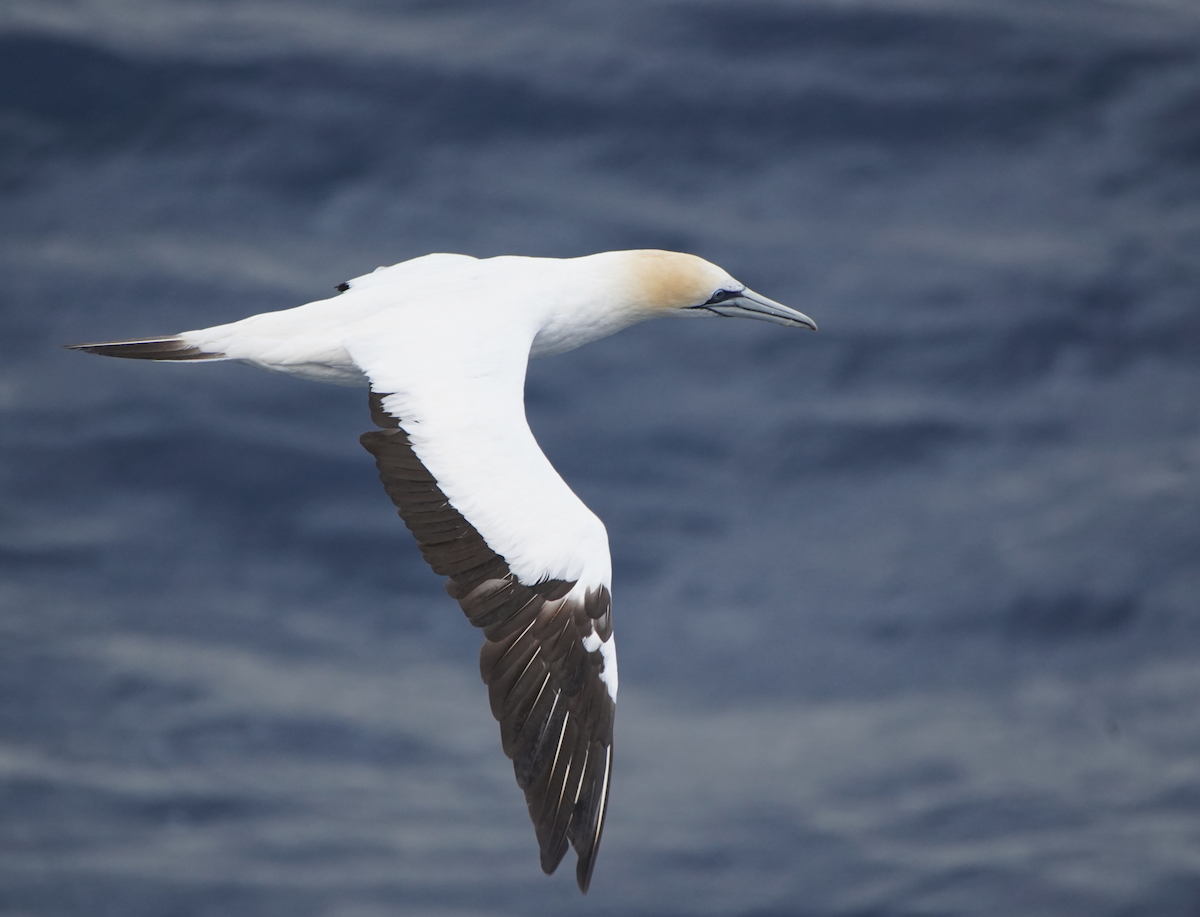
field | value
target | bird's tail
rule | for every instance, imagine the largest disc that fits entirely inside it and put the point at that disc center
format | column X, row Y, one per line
column 173, row 348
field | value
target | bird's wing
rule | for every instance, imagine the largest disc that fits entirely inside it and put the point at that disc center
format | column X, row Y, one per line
column 526, row 560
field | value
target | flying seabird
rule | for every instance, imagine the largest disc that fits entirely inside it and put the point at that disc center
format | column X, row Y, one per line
column 443, row 342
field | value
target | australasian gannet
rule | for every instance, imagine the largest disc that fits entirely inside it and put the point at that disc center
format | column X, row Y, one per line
column 443, row 342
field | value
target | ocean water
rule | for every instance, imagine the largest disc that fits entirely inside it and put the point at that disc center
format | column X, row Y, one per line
column 908, row 609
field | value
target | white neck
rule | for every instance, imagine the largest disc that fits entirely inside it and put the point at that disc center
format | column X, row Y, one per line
column 582, row 300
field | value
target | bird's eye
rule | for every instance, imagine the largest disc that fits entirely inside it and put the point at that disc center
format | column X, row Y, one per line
column 721, row 296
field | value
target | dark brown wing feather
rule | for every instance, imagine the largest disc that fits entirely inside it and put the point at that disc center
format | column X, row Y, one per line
column 555, row 714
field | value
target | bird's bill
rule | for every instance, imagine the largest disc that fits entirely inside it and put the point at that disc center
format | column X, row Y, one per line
column 749, row 304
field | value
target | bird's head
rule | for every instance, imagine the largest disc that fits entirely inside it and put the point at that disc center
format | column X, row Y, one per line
column 674, row 284
column 599, row 295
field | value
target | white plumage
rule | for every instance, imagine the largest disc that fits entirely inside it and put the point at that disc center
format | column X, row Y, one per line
column 443, row 341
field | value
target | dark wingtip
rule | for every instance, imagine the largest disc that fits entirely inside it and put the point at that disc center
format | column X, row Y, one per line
column 583, row 872
column 154, row 349
column 552, row 856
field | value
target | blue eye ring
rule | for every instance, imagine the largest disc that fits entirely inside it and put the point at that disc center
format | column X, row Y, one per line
column 721, row 296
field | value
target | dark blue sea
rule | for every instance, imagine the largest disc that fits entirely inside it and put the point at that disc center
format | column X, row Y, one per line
column 908, row 609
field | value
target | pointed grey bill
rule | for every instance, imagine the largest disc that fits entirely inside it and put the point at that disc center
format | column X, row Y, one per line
column 749, row 304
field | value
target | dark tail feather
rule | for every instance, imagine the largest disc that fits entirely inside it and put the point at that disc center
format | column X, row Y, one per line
column 155, row 349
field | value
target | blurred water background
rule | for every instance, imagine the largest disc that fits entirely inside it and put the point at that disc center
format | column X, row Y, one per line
column 907, row 609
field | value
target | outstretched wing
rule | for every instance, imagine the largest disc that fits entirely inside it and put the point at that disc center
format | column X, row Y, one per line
column 528, row 563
